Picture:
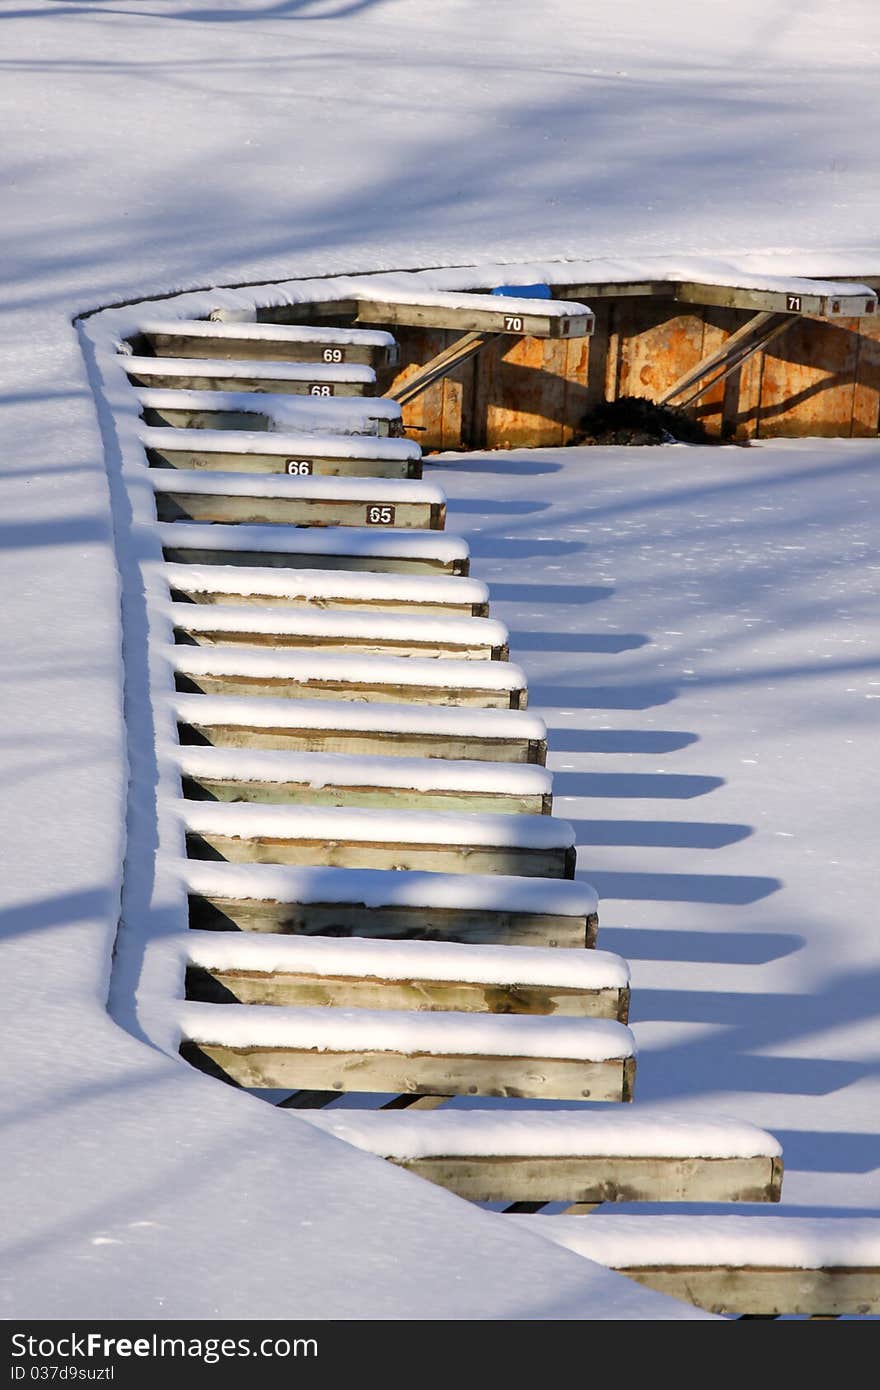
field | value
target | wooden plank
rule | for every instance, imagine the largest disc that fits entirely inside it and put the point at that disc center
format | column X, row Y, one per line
column 373, row 797
column 364, row 1071
column 338, row 687
column 195, row 623
column 378, row 854
column 309, row 591
column 295, row 511
column 602, row 1178
column 299, row 462
column 768, row 1292
column 359, row 562
column 522, row 396
column 482, row 313
column 202, row 379
column 795, row 300
column 247, row 986
column 226, row 340
column 808, row 381
column 420, row 744
column 481, row 927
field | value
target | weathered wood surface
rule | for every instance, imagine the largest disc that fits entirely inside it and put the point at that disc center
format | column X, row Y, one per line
column 293, row 559
column 247, row 986
column 293, row 511
column 339, row 687
column 196, row 631
column 527, row 1077
column 345, row 599
column 419, row 744
column 309, row 462
column 477, row 313
column 286, row 347
column 600, row 1178
column 393, row 923
column 202, row 379
column 377, row 798
column 377, row 854
column 763, row 1292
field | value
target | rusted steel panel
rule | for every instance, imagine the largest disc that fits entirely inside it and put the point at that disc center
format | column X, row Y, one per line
column 657, row 344
column 529, row 393
column 423, row 418
column 808, row 380
column 866, row 396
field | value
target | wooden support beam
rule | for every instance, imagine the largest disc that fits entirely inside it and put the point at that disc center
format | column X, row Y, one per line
column 483, row 313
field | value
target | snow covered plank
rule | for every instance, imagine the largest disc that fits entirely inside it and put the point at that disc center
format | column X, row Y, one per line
column 297, row 379
column 297, row 675
column 264, row 411
column 480, row 313
column 350, row 972
column 361, row 838
column 331, row 779
column 348, row 548
column 490, row 909
column 289, row 501
column 368, row 1050
column 358, row 727
column 329, row 590
column 273, row 342
column 759, row 1265
column 298, row 455
column 798, row 297
column 570, row 1155
column 759, row 294
column 382, row 634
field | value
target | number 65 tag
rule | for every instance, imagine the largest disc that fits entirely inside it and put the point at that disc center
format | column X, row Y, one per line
column 380, row 515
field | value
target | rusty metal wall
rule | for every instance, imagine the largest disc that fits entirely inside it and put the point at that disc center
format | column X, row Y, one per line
column 819, row 378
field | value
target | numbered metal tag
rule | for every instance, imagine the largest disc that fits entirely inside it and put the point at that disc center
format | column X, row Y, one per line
column 300, row 468
column 513, row 323
column 793, row 303
column 333, row 355
column 380, row 515
column 319, row 389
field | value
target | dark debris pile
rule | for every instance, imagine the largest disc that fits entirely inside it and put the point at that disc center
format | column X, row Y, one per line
column 632, row 420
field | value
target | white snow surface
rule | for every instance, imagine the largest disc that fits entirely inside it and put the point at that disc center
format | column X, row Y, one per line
column 332, row 823
column 366, row 490
column 266, row 712
column 423, row 629
column 286, row 445
column 764, row 1241
column 289, row 334
column 316, row 415
column 148, row 151
column 389, row 888
column 397, row 1030
column 303, row 665
column 339, row 769
column 348, row 372
column 612, row 1131
column 318, row 586
column 323, row 540
column 405, row 960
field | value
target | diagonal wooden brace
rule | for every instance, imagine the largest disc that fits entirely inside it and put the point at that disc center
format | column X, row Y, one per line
column 459, row 352
column 738, row 348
